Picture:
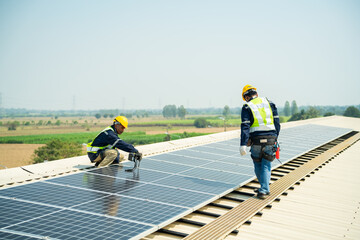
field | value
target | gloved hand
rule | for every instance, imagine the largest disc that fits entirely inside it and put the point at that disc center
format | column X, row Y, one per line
column 138, row 156
column 243, row 150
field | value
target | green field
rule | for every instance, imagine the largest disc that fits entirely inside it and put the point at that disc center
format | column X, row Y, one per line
column 135, row 138
column 68, row 131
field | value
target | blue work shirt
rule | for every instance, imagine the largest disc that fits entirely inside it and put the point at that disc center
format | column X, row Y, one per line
column 109, row 137
column 247, row 119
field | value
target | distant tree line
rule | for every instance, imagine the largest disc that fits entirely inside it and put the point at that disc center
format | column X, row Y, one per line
column 352, row 112
column 171, row 111
column 202, row 122
column 289, row 109
column 317, row 111
column 106, row 113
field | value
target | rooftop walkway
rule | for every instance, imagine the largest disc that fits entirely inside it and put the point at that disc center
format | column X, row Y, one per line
column 324, row 206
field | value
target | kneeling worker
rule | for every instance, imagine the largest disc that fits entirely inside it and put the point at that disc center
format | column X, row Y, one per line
column 103, row 149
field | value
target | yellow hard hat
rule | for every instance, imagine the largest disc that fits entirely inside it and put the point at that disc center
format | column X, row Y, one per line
column 122, row 120
column 246, row 89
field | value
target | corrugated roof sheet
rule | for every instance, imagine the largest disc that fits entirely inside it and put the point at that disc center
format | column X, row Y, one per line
column 324, row 206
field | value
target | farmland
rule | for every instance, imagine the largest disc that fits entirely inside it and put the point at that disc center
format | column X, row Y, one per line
column 17, row 146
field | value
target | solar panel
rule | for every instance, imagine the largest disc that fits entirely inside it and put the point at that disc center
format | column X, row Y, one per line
column 13, row 212
column 228, row 145
column 237, row 159
column 109, row 203
column 177, row 157
column 17, row 236
column 143, row 174
column 158, row 165
column 133, row 209
column 215, row 175
column 97, row 182
column 230, row 167
column 196, row 184
column 31, row 220
column 214, row 150
column 163, row 194
column 51, row 194
column 67, row 224
column 204, row 154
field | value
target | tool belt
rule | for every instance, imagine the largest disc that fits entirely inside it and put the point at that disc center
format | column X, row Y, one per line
column 263, row 141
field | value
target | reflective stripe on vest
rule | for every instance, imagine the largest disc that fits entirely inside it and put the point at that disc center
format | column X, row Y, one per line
column 263, row 116
column 93, row 149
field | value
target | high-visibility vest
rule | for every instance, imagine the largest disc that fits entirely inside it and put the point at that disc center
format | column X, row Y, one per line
column 93, row 149
column 263, row 115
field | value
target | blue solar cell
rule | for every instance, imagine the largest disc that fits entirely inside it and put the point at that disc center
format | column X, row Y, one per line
column 51, row 194
column 237, row 159
column 14, row 211
column 132, row 209
column 163, row 166
column 98, row 182
column 226, row 145
column 118, row 172
column 180, row 159
column 164, row 194
column 215, row 175
column 196, row 184
column 212, row 150
column 234, row 168
column 68, row 224
column 16, row 236
column 201, row 155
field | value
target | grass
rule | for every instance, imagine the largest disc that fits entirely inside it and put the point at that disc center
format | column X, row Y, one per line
column 88, row 128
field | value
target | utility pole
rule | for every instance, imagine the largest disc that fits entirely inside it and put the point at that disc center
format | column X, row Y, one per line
column 224, row 118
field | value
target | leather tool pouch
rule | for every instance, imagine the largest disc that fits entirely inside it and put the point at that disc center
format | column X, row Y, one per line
column 262, row 142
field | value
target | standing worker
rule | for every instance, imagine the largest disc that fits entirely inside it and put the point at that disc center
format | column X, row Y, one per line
column 103, row 149
column 260, row 128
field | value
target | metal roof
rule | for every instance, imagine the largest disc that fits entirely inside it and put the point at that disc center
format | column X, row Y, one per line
column 323, row 207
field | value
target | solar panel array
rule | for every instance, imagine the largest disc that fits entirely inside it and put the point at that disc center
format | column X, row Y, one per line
column 110, row 203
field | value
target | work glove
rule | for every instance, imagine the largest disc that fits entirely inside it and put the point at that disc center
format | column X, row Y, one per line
column 243, row 150
column 138, row 156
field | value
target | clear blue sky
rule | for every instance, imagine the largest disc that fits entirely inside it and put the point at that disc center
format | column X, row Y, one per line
column 62, row 54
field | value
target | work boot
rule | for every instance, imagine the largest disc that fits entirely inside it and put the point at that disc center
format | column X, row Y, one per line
column 261, row 195
column 256, row 190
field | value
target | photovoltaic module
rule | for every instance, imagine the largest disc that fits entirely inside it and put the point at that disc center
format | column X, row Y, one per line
column 110, row 203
